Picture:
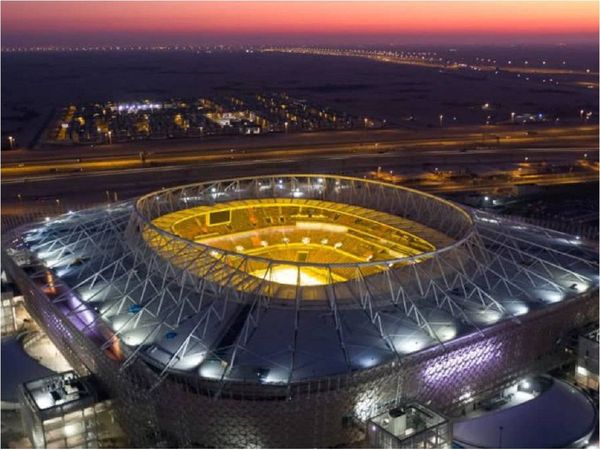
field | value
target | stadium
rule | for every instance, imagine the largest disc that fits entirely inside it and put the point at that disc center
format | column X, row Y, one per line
column 286, row 311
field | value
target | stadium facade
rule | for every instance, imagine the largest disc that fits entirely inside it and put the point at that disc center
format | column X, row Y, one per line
column 285, row 311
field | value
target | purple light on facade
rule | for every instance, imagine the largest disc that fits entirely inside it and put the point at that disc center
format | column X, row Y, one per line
column 84, row 313
column 83, row 318
column 456, row 363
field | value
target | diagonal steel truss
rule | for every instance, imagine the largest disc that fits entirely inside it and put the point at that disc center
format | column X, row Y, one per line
column 184, row 299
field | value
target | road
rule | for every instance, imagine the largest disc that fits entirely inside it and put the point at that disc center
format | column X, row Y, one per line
column 489, row 185
column 390, row 58
column 52, row 182
column 30, row 164
column 26, row 202
column 80, row 186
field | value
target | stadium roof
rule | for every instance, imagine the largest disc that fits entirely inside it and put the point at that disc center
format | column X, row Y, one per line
column 181, row 308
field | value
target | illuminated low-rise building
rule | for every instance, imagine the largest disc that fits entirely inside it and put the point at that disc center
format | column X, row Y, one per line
column 409, row 426
column 586, row 370
column 67, row 411
column 12, row 308
column 8, row 315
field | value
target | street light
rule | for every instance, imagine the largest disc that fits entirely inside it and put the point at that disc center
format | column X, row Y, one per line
column 512, row 117
column 109, row 134
column 11, row 142
column 441, row 120
column 286, row 126
column 366, row 122
column 581, row 112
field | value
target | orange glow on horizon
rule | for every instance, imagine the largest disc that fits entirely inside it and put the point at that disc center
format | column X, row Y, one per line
column 294, row 18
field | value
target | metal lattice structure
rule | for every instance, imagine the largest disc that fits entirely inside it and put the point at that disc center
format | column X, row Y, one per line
column 198, row 351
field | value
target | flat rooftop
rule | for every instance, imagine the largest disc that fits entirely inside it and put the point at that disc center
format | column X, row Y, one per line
column 558, row 416
column 59, row 390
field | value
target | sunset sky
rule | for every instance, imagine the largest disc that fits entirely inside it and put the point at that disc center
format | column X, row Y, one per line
column 155, row 23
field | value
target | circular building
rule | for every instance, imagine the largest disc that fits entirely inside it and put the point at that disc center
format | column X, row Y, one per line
column 284, row 311
column 554, row 415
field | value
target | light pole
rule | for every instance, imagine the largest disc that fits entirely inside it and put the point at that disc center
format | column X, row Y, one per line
column 11, row 142
column 366, row 122
column 512, row 117
column 109, row 134
column 581, row 112
column 441, row 120
column 286, row 124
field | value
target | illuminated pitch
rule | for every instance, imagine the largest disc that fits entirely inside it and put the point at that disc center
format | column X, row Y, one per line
column 306, row 234
column 294, row 275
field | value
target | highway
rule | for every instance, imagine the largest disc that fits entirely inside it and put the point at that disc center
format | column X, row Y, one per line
column 27, row 165
column 58, row 193
column 390, row 58
column 137, row 180
column 50, row 182
column 486, row 185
